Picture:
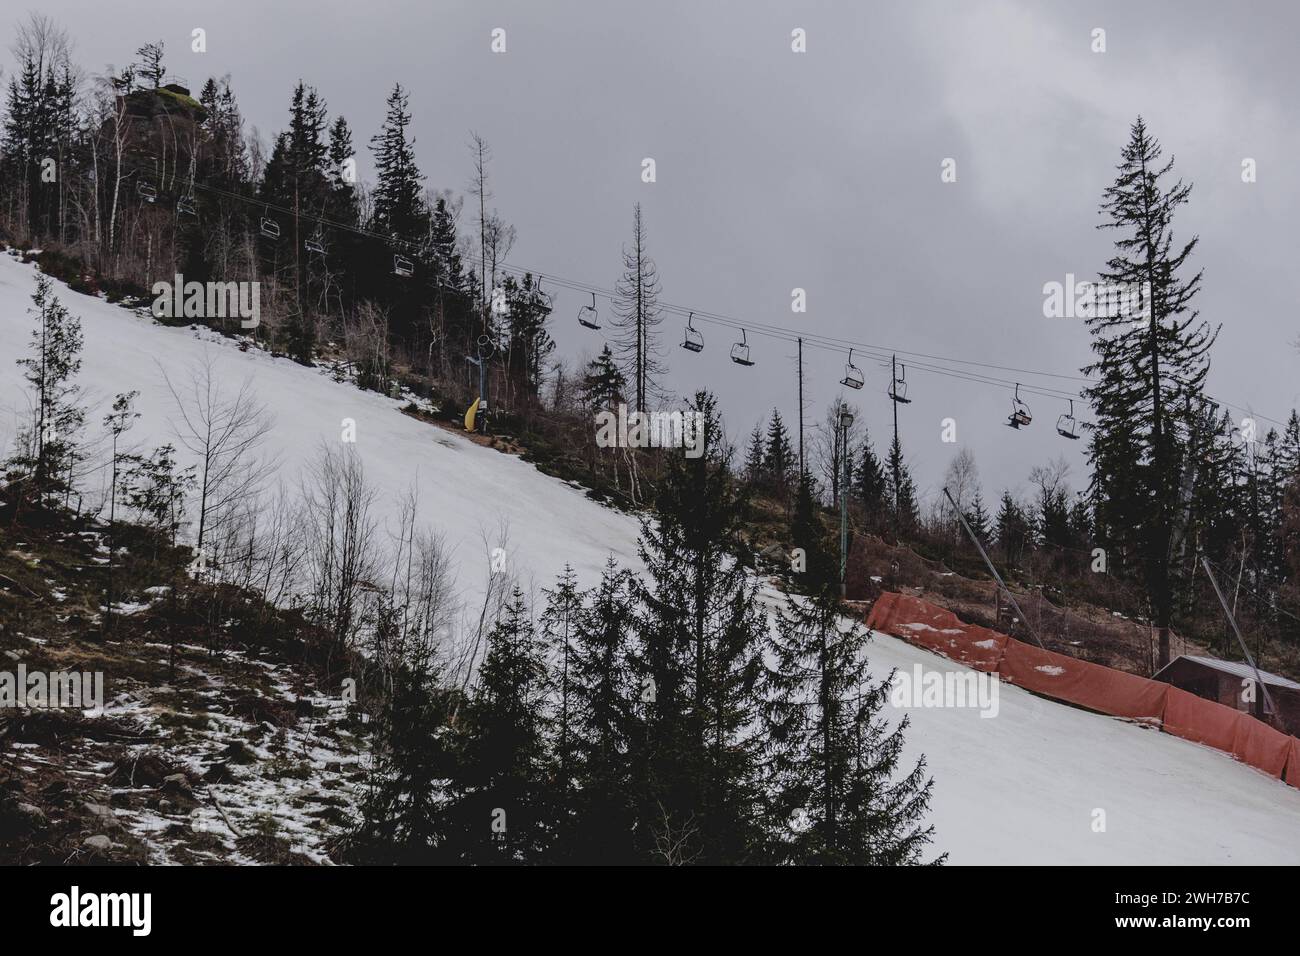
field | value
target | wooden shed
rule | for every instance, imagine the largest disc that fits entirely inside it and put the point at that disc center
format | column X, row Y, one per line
column 1225, row 681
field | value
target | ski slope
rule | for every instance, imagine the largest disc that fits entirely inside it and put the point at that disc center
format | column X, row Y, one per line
column 476, row 497
column 1021, row 787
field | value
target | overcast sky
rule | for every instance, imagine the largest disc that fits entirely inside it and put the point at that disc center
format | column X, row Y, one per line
column 819, row 170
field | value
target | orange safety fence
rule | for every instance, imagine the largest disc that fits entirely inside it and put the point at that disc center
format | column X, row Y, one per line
column 1204, row 721
column 936, row 629
column 1260, row 745
column 1089, row 685
column 1094, row 686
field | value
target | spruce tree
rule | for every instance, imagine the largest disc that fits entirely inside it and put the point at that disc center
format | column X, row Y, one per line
column 57, row 418
column 900, row 492
column 700, row 627
column 602, row 697
column 1150, row 363
column 870, row 486
column 603, row 384
column 506, row 815
column 399, row 208
column 831, row 757
column 778, row 454
column 754, row 457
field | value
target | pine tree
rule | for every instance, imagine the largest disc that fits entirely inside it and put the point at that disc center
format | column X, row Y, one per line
column 900, row 492
column 1151, row 368
column 342, row 185
column 559, row 626
column 603, row 384
column 57, row 418
column 637, row 316
column 399, row 209
column 408, row 811
column 506, row 814
column 830, row 756
column 871, row 486
column 778, row 454
column 602, row 697
column 754, row 457
column 1013, row 529
column 700, row 627
column 977, row 517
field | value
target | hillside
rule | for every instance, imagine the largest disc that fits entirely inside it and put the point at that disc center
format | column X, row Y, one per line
column 1018, row 788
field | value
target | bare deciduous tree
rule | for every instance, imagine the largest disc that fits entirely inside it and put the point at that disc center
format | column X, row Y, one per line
column 224, row 431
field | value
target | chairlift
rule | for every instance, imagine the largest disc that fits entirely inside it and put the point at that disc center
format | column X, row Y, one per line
column 1020, row 415
column 146, row 191
column 403, row 267
column 740, row 351
column 185, row 206
column 588, row 315
column 315, row 243
column 1066, row 425
column 898, row 387
column 693, row 342
column 270, row 228
column 853, row 377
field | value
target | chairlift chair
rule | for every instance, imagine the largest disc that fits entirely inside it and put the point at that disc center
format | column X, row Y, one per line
column 740, row 351
column 403, row 267
column 693, row 342
column 898, row 387
column 853, row 377
column 269, row 227
column 1020, row 415
column 588, row 315
column 146, row 191
column 1066, row 425
column 315, row 243
column 185, row 206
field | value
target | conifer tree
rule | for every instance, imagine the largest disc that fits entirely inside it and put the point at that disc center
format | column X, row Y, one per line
column 700, row 628
column 603, row 384
column 1151, row 364
column 754, row 457
column 57, row 418
column 506, row 814
column 831, row 757
column 871, row 487
column 602, row 701
column 399, row 208
column 637, row 316
column 977, row 517
column 778, row 453
column 900, row 491
column 1013, row 529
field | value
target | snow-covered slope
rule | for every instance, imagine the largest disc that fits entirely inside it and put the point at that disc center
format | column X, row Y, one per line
column 1021, row 787
column 474, row 496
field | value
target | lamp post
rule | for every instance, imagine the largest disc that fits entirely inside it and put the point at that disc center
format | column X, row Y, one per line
column 846, row 422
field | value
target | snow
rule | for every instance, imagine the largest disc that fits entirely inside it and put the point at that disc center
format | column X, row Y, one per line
column 471, row 494
column 1021, row 787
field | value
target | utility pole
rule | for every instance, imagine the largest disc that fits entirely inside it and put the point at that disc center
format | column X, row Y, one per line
column 893, row 371
column 802, row 470
column 845, row 423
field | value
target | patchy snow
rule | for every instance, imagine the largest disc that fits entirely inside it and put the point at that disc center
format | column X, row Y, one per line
column 1052, row 670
